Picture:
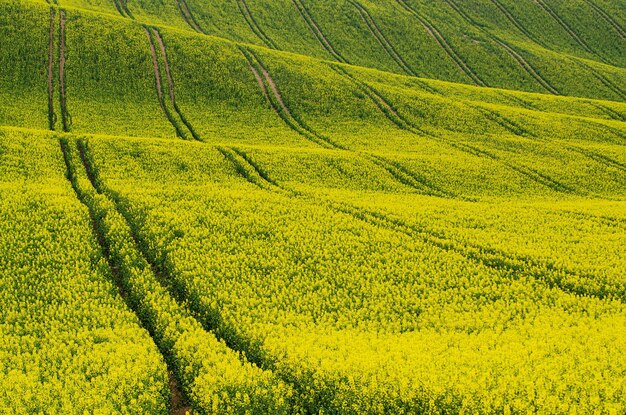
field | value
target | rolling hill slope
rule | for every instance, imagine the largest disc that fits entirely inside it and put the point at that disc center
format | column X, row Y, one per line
column 298, row 206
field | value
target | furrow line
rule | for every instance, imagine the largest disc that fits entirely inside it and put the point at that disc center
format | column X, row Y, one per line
column 504, row 122
column 267, row 85
column 443, row 43
column 507, row 13
column 170, row 83
column 159, row 87
column 600, row 158
column 527, row 66
column 404, row 124
column 567, row 28
column 321, row 37
column 604, row 80
column 185, row 12
column 552, row 275
column 52, row 117
column 254, row 26
column 381, row 38
column 178, row 401
column 119, row 8
column 66, row 118
column 521, row 61
column 609, row 111
column 608, row 18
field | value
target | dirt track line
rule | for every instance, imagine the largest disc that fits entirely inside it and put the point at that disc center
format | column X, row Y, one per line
column 443, row 43
column 608, row 18
column 65, row 115
column 527, row 67
column 490, row 257
column 521, row 61
column 567, row 28
column 404, row 124
column 159, row 86
column 185, row 12
column 603, row 80
column 609, row 111
column 178, row 402
column 52, row 118
column 170, row 83
column 382, row 39
column 279, row 106
column 317, row 31
column 254, row 26
column 507, row 13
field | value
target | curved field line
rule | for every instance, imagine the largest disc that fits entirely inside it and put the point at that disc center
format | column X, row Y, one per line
column 567, row 28
column 170, row 83
column 511, row 18
column 382, row 39
column 527, row 67
column 52, row 118
column 603, row 80
column 521, row 61
column 608, row 19
column 185, row 12
column 119, row 8
column 609, row 111
column 322, row 39
column 443, row 43
column 600, row 158
column 159, row 86
column 490, row 257
column 254, row 26
column 267, row 85
column 503, row 121
column 66, row 118
column 404, row 124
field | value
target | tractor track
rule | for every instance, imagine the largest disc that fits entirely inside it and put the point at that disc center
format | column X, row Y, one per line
column 66, row 118
column 507, row 13
column 548, row 273
column 188, row 16
column 608, row 18
column 567, row 28
column 321, row 37
column 254, row 26
column 603, row 80
column 403, row 123
column 521, row 61
column 381, row 38
column 600, row 158
column 170, row 83
column 267, row 85
column 443, row 44
column 611, row 113
column 52, row 118
column 178, row 402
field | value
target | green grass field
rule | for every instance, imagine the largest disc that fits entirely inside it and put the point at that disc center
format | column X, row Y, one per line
column 312, row 207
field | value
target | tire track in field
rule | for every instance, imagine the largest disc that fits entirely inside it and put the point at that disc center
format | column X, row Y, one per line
column 267, row 84
column 443, row 44
column 314, row 27
column 178, row 402
column 159, row 85
column 620, row 31
column 66, row 118
column 521, row 61
column 567, row 28
column 188, row 16
column 554, row 276
column 254, row 26
column 403, row 123
column 52, row 117
column 511, row 18
column 611, row 113
column 381, row 38
column 274, row 97
column 616, row 89
column 598, row 157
